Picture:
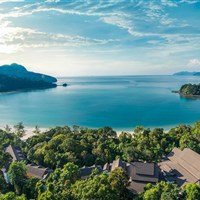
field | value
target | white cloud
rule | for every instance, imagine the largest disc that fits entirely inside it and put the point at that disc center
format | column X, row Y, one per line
column 189, row 1
column 131, row 17
column 52, row 1
column 10, row 1
column 169, row 3
column 14, row 39
column 194, row 63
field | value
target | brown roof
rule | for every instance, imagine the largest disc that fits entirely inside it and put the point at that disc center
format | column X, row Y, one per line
column 15, row 152
column 140, row 173
column 144, row 172
column 37, row 171
column 107, row 167
column 145, row 168
column 86, row 171
column 182, row 166
column 136, row 187
column 118, row 163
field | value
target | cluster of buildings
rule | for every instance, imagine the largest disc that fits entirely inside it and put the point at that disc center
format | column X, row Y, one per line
column 179, row 167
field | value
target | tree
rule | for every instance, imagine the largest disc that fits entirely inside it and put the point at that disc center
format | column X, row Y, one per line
column 19, row 129
column 118, row 180
column 152, row 194
column 5, row 159
column 37, row 130
column 192, row 191
column 59, row 182
column 12, row 196
column 93, row 188
column 3, row 184
column 161, row 191
column 29, row 188
column 17, row 175
column 8, row 128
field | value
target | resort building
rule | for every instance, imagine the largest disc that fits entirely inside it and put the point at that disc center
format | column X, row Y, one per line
column 15, row 153
column 37, row 171
column 32, row 169
column 181, row 167
column 140, row 173
column 87, row 171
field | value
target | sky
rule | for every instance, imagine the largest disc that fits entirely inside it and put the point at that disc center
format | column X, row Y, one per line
column 101, row 37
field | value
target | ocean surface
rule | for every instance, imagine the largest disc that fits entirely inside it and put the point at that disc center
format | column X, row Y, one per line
column 121, row 102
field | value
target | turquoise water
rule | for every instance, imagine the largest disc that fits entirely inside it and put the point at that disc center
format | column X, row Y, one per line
column 120, row 102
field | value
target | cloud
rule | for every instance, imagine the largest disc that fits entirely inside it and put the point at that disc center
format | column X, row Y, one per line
column 189, row 1
column 14, row 39
column 194, row 63
column 148, row 20
column 169, row 3
column 52, row 1
column 10, row 1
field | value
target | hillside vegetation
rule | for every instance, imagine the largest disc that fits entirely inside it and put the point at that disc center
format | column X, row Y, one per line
column 190, row 90
column 66, row 149
column 15, row 77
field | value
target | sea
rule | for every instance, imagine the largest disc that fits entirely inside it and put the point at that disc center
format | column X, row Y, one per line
column 121, row 102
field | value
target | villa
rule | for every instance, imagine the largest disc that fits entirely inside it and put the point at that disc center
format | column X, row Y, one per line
column 33, row 170
column 139, row 173
column 181, row 167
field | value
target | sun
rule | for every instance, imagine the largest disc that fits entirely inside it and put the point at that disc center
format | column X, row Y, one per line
column 7, row 49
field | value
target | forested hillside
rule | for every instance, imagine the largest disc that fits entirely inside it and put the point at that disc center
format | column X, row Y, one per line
column 66, row 149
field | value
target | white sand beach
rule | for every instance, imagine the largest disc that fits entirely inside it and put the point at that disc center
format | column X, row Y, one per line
column 29, row 131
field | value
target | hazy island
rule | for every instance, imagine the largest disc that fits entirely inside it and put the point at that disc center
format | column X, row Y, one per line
column 186, row 73
column 16, row 77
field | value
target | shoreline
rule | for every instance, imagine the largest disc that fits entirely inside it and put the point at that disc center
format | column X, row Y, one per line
column 29, row 130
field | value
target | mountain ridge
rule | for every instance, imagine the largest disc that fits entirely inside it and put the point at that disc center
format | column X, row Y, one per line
column 19, row 71
column 186, row 73
column 16, row 77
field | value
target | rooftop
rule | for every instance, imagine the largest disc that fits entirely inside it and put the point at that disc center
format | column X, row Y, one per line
column 140, row 173
column 86, row 171
column 15, row 152
column 182, row 167
column 37, row 171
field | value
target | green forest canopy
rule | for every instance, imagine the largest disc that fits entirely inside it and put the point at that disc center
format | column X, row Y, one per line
column 66, row 149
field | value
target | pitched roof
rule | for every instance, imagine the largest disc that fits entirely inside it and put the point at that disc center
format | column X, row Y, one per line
column 118, row 163
column 136, row 187
column 86, row 171
column 15, row 152
column 145, row 172
column 37, row 171
column 140, row 173
column 107, row 167
column 185, row 166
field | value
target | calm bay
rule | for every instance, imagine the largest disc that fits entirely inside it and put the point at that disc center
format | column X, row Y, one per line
column 121, row 102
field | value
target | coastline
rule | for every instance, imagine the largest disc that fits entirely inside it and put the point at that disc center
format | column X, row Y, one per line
column 28, row 90
column 29, row 130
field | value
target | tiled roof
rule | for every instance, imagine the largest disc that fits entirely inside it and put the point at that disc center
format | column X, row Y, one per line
column 86, row 171
column 183, row 165
column 107, row 167
column 145, row 172
column 118, row 163
column 144, row 168
column 15, row 152
column 140, row 173
column 37, row 171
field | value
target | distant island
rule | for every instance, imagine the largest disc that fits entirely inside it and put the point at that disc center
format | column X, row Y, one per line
column 190, row 90
column 16, row 77
column 186, row 73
